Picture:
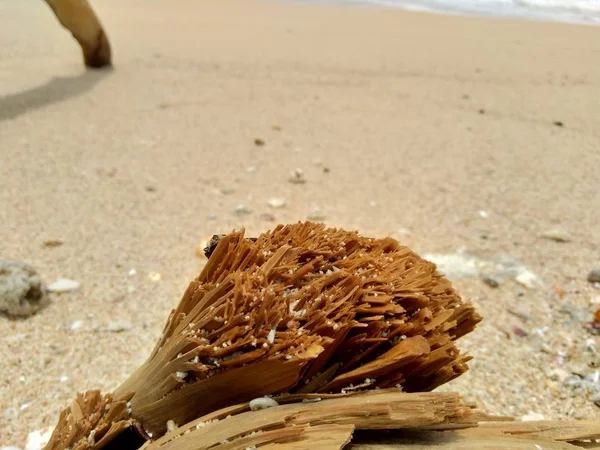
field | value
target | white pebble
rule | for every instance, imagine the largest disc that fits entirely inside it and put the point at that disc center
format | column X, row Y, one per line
column 116, row 327
column 532, row 417
column 276, row 203
column 528, row 279
column 37, row 440
column 271, row 336
column 242, row 209
column 297, row 176
column 64, row 285
column 557, row 235
column 181, row 374
column 64, row 379
column 76, row 325
column 262, row 403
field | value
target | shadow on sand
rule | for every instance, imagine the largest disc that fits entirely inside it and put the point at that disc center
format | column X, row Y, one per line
column 55, row 90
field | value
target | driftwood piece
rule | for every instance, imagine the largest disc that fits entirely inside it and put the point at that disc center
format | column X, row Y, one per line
column 301, row 309
column 376, row 420
column 321, row 310
column 538, row 435
column 431, row 440
column 369, row 410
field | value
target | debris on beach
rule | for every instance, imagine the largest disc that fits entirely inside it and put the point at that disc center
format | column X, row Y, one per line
column 528, row 279
column 297, row 176
column 299, row 312
column 557, row 235
column 52, row 243
column 259, row 142
column 227, row 190
column 276, row 202
column 116, row 327
column 490, row 280
column 22, row 291
column 64, row 285
column 36, row 440
column 202, row 246
column 594, row 275
column 466, row 264
column 154, row 276
column 241, row 210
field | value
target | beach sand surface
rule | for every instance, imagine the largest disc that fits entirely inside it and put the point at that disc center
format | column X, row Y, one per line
column 444, row 132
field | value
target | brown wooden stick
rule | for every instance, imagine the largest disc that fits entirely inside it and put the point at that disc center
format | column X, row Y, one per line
column 79, row 18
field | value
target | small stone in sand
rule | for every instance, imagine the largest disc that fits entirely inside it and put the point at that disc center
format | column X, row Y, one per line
column 22, row 292
column 594, row 275
column 250, row 169
column 557, row 235
column 211, row 216
column 116, row 327
column 202, row 245
column 316, row 215
column 52, row 243
column 64, row 285
column 242, row 209
column 276, row 203
column 297, row 176
column 528, row 279
column 259, row 142
column 227, row 190
column 490, row 280
column 154, row 276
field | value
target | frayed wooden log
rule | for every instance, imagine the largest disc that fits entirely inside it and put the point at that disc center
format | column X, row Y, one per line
column 301, row 309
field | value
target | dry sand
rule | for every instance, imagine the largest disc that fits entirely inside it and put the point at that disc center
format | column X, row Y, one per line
column 422, row 121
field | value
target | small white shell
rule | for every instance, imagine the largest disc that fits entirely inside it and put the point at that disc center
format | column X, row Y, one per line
column 262, row 403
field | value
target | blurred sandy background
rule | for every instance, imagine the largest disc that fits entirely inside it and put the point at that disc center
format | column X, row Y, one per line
column 445, row 132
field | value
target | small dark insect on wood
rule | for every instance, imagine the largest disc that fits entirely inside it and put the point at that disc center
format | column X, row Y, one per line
column 214, row 241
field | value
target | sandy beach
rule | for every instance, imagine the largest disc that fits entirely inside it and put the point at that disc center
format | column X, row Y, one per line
column 445, row 132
